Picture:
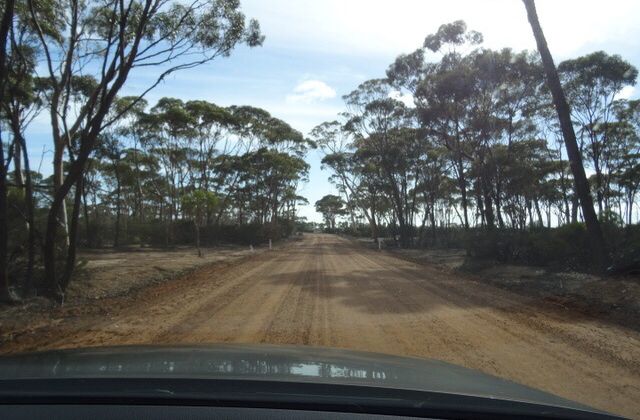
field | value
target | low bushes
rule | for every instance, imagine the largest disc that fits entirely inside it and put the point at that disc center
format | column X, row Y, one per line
column 565, row 247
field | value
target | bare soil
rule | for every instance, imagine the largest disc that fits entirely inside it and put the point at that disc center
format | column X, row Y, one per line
column 614, row 299
column 108, row 273
column 329, row 291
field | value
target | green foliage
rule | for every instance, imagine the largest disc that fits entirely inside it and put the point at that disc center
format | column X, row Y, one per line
column 330, row 206
column 563, row 248
column 198, row 203
column 566, row 247
column 454, row 33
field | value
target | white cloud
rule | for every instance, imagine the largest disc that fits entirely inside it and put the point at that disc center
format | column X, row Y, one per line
column 626, row 92
column 311, row 91
column 380, row 27
column 405, row 98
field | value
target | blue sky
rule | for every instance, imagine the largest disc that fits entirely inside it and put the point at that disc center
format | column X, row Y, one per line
column 318, row 50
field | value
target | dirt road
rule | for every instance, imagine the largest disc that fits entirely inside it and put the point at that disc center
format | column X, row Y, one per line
column 327, row 291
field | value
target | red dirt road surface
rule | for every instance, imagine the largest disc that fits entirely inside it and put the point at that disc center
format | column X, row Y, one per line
column 328, row 291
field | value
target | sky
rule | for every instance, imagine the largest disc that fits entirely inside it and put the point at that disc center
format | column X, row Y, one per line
column 315, row 51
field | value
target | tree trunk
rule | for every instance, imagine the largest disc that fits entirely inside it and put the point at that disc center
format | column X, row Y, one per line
column 87, row 224
column 433, row 223
column 4, row 235
column 58, row 179
column 139, row 194
column 574, row 209
column 373, row 224
column 536, row 205
column 630, row 199
column 567, row 209
column 479, row 208
column 599, row 196
column 30, row 209
column 528, row 209
column 116, row 237
column 76, row 171
column 488, row 209
column 423, row 224
column 17, row 164
column 5, row 25
column 462, row 183
column 197, row 228
column 600, row 255
column 73, row 237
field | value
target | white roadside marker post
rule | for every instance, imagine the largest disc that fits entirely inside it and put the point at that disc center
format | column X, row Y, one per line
column 269, row 243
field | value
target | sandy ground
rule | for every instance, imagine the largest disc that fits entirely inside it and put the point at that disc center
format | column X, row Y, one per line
column 328, row 291
column 615, row 299
column 107, row 273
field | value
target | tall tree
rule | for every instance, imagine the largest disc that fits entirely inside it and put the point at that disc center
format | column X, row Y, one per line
column 446, row 96
column 386, row 138
column 115, row 37
column 592, row 83
column 198, row 204
column 5, row 26
column 330, row 206
column 601, row 257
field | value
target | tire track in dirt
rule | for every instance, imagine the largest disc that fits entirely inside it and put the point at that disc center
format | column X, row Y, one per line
column 320, row 331
column 292, row 319
column 517, row 354
column 420, row 330
column 519, row 311
column 196, row 322
column 162, row 309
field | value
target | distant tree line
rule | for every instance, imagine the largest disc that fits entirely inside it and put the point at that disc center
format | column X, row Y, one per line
column 461, row 137
column 162, row 175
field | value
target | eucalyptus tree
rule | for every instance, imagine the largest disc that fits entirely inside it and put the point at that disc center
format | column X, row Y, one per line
column 5, row 25
column 433, row 184
column 330, row 206
column 117, row 163
column 593, row 83
column 257, row 128
column 445, row 100
column 111, row 154
column 197, row 205
column 169, row 129
column 446, row 97
column 526, row 170
column 335, row 144
column 469, row 101
column 20, row 104
column 250, row 161
column 211, row 124
column 548, row 128
column 130, row 129
column 581, row 183
column 625, row 158
column 511, row 85
column 267, row 186
column 286, row 148
column 385, row 135
column 263, row 140
column 247, row 124
column 111, row 39
column 358, row 179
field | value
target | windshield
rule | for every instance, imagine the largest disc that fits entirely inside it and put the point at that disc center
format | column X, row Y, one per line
column 453, row 180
